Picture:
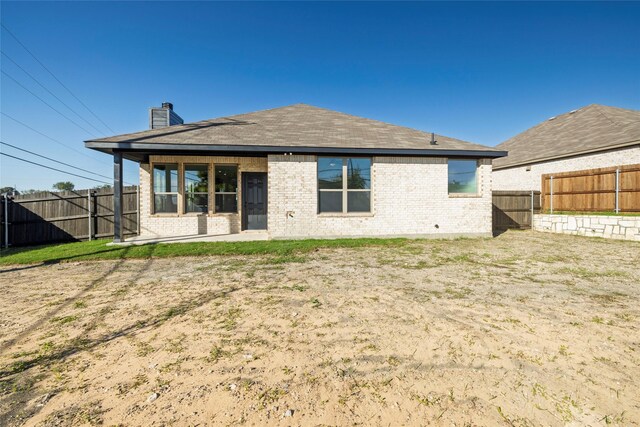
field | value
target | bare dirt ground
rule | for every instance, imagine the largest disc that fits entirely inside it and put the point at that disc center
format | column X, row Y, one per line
column 523, row 329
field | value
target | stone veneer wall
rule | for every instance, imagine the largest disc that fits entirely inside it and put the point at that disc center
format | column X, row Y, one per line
column 518, row 178
column 409, row 197
column 186, row 224
column 609, row 227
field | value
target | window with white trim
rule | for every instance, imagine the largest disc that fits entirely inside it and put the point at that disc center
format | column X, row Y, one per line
column 344, row 184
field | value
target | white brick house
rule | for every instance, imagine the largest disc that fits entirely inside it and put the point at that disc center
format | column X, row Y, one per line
column 595, row 136
column 302, row 171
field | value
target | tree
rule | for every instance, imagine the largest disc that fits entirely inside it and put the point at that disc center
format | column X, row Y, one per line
column 64, row 185
column 8, row 190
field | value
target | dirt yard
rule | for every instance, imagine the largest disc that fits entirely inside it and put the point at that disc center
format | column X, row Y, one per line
column 524, row 329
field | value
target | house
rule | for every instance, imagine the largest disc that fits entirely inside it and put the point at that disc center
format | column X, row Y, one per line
column 302, row 171
column 595, row 136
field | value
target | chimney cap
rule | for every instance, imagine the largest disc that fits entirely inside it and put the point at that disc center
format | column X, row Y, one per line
column 167, row 105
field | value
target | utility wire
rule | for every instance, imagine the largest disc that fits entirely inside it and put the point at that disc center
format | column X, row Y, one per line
column 54, row 140
column 54, row 76
column 53, row 160
column 47, row 136
column 46, row 103
column 51, row 93
column 57, row 170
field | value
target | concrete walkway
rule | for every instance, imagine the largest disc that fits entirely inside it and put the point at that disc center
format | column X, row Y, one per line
column 245, row 236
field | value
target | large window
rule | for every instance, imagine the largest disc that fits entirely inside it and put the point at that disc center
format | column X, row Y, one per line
column 344, row 185
column 196, row 188
column 462, row 176
column 165, row 188
column 226, row 189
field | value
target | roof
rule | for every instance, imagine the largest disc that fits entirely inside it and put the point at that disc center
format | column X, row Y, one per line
column 294, row 128
column 589, row 129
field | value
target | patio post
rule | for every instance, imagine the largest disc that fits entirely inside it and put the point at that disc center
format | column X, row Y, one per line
column 118, row 235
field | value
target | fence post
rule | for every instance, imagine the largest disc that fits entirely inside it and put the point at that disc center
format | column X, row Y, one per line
column 6, row 220
column 89, row 209
column 532, row 209
column 617, row 190
column 551, row 195
column 138, row 208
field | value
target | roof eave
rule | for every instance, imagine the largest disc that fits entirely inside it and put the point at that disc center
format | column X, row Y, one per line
column 150, row 148
column 567, row 155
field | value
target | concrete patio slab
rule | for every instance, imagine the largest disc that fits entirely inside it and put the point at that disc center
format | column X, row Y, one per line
column 248, row 236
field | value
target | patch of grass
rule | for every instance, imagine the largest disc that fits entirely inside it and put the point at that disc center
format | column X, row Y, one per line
column 315, row 303
column 80, row 304
column 585, row 273
column 283, row 259
column 270, row 396
column 230, row 322
column 64, row 319
column 284, row 250
column 216, row 354
column 144, row 349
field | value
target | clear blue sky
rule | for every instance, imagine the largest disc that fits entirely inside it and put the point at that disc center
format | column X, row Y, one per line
column 481, row 72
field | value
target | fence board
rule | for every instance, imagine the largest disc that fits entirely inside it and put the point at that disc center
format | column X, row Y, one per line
column 592, row 190
column 47, row 217
column 512, row 209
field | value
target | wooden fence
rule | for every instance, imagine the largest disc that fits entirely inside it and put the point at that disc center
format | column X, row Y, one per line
column 48, row 217
column 614, row 189
column 514, row 209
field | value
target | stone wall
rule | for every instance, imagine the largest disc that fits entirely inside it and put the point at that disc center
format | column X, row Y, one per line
column 409, row 197
column 519, row 178
column 609, row 227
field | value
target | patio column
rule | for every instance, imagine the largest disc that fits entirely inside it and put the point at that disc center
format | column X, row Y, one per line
column 118, row 235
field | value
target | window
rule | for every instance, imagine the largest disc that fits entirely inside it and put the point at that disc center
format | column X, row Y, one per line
column 462, row 176
column 226, row 189
column 344, row 185
column 196, row 188
column 165, row 188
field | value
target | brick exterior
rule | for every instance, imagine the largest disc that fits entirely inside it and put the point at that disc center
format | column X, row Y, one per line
column 186, row 224
column 518, row 178
column 409, row 198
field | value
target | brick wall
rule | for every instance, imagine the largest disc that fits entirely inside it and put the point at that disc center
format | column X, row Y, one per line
column 409, row 197
column 518, row 178
column 186, row 224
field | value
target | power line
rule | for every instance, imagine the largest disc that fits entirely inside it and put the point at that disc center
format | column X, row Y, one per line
column 53, row 160
column 46, row 103
column 54, row 76
column 57, row 170
column 51, row 93
column 53, row 139
column 47, row 136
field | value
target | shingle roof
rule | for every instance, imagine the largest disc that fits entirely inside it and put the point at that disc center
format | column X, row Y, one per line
column 295, row 126
column 591, row 128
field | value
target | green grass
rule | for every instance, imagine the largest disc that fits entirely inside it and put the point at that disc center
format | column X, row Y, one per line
column 98, row 250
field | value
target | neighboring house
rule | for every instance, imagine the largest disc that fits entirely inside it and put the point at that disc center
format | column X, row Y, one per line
column 302, row 171
column 595, row 136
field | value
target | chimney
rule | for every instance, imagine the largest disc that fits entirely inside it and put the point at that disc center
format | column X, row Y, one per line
column 162, row 117
column 433, row 139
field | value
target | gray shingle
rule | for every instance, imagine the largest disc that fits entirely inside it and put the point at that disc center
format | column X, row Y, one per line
column 591, row 128
column 298, row 125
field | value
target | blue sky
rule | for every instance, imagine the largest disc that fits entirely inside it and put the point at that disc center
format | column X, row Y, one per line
column 481, row 72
